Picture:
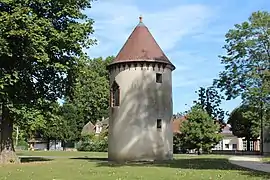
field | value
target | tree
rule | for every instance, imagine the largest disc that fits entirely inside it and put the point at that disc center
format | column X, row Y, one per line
column 247, row 62
column 30, row 121
column 90, row 91
column 176, row 142
column 244, row 123
column 247, row 59
column 177, row 115
column 199, row 131
column 40, row 41
column 210, row 100
column 73, row 123
column 61, row 123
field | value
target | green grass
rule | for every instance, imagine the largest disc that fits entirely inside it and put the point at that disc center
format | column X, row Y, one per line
column 60, row 153
column 266, row 159
column 95, row 167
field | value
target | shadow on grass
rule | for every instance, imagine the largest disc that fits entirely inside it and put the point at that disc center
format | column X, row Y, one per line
column 183, row 163
column 34, row 159
column 92, row 159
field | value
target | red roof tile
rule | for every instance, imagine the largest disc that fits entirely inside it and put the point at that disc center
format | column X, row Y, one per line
column 177, row 124
column 141, row 46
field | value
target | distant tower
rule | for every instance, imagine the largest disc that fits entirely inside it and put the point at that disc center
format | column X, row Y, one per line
column 140, row 126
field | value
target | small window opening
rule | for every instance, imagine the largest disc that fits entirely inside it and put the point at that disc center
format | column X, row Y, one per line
column 115, row 95
column 158, row 78
column 159, row 122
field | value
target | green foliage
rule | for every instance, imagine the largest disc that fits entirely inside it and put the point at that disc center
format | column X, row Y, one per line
column 22, row 145
column 41, row 40
column 66, row 122
column 176, row 142
column 247, row 68
column 199, row 131
column 244, row 121
column 90, row 91
column 247, row 65
column 73, row 121
column 94, row 143
column 61, row 123
column 30, row 121
column 53, row 122
column 177, row 115
column 210, row 100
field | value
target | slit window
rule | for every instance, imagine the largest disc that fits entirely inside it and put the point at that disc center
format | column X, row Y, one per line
column 158, row 78
column 115, row 95
column 159, row 123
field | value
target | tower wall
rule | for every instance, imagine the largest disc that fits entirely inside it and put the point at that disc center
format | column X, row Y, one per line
column 133, row 132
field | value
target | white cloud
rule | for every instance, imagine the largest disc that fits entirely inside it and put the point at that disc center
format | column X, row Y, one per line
column 186, row 57
column 115, row 20
column 187, row 81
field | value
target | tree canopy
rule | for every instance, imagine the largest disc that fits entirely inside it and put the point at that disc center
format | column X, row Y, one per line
column 199, row 131
column 247, row 70
column 91, row 88
column 40, row 41
column 247, row 59
column 210, row 100
column 244, row 123
column 65, row 122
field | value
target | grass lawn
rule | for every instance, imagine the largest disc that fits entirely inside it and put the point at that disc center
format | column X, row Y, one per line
column 60, row 153
column 267, row 159
column 93, row 166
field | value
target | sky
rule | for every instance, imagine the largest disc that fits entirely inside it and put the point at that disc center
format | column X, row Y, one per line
column 190, row 32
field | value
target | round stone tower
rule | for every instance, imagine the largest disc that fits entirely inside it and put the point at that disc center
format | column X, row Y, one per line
column 140, row 126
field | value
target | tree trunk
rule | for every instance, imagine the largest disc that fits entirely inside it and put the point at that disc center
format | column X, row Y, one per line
column 198, row 151
column 55, row 144
column 7, row 151
column 64, row 145
column 48, row 144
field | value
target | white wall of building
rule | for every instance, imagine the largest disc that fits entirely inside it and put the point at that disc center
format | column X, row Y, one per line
column 234, row 143
column 40, row 146
column 133, row 133
column 43, row 145
column 228, row 143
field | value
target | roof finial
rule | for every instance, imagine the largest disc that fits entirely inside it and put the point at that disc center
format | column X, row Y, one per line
column 140, row 18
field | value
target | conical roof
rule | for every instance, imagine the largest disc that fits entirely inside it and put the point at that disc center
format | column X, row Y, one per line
column 141, row 46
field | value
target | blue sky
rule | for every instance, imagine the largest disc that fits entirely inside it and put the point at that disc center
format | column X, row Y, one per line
column 190, row 32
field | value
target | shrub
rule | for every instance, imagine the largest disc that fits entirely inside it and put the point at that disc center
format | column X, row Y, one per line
column 22, row 145
column 94, row 143
column 176, row 143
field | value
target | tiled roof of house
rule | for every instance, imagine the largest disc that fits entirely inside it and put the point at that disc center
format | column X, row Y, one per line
column 177, row 124
column 88, row 128
column 227, row 130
